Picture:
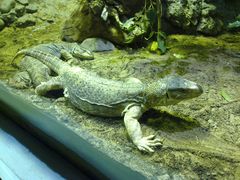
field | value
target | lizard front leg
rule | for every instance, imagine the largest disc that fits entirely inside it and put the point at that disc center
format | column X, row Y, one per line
column 67, row 56
column 134, row 130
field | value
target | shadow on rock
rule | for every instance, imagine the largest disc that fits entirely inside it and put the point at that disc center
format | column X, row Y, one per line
column 166, row 122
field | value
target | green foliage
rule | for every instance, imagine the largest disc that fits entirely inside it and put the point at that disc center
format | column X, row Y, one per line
column 225, row 95
column 154, row 14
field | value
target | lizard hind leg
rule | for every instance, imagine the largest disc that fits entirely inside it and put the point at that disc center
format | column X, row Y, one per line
column 20, row 80
column 45, row 87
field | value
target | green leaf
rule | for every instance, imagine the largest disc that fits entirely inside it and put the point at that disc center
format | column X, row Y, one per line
column 154, row 46
column 161, row 42
column 161, row 46
column 225, row 96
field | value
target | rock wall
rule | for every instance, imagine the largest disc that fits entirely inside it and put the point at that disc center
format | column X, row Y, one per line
column 209, row 17
column 120, row 21
column 99, row 18
column 85, row 22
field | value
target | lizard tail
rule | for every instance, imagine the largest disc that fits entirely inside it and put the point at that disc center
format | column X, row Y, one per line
column 49, row 60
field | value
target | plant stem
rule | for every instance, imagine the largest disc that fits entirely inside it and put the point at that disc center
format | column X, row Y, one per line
column 159, row 14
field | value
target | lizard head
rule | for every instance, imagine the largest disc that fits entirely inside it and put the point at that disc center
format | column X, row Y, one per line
column 179, row 89
column 82, row 53
column 173, row 89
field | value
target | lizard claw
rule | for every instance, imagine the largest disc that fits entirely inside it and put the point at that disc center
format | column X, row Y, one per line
column 146, row 143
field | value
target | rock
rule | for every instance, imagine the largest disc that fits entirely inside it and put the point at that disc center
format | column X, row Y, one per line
column 6, row 5
column 25, row 21
column 179, row 16
column 31, row 8
column 234, row 26
column 210, row 26
column 2, row 24
column 208, row 9
column 83, row 21
column 23, row 2
column 20, row 10
column 83, row 25
column 184, row 13
column 194, row 16
column 97, row 44
column 9, row 18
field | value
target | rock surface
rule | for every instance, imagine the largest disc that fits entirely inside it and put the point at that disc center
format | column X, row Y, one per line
column 31, row 8
column 23, row 2
column 6, row 5
column 210, row 26
column 183, row 13
column 184, row 16
column 25, row 21
column 194, row 16
column 100, row 19
column 97, row 45
column 235, row 24
column 84, row 24
column 9, row 18
column 12, row 10
column 20, row 10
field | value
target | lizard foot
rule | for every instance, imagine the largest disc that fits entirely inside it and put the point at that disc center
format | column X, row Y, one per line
column 146, row 143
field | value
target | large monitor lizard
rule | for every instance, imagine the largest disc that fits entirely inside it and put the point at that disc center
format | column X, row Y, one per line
column 111, row 98
column 33, row 72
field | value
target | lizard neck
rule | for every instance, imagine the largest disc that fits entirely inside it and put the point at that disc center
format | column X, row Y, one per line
column 156, row 94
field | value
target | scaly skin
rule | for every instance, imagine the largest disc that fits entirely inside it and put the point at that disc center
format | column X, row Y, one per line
column 38, row 72
column 63, row 49
column 103, row 97
column 32, row 73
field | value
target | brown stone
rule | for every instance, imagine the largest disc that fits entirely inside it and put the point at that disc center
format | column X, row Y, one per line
column 83, row 24
column 86, row 22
